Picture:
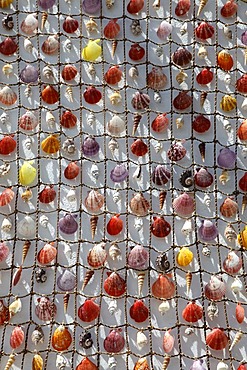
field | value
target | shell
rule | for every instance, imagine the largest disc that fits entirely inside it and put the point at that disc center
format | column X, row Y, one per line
column 186, row 179
column 212, row 310
column 89, row 310
column 114, row 342
column 197, row 365
column 242, row 131
column 139, row 148
column 203, row 178
column 61, row 339
column 192, row 312
column 114, row 285
column 113, row 76
column 226, row 158
column 4, row 313
column 141, row 340
column 184, row 257
column 116, row 125
column 139, row 205
column 44, row 17
column 168, row 341
column 91, row 25
column 184, row 205
column 225, row 60
column 164, row 307
column 26, row 227
column 162, row 198
column 51, row 45
column 71, row 171
column 29, row 74
column 162, row 262
column 237, row 338
column 182, row 7
column 133, row 72
column 28, row 46
column 142, row 364
column 135, row 6
column 230, row 233
column 92, row 95
column 90, row 147
column 37, row 362
column 188, row 278
column 166, row 362
column 163, row 287
column 182, row 101
column 28, row 121
column 45, row 309
column 119, row 173
column 70, row 25
column 138, row 311
column 6, row 225
column 47, row 254
column 97, row 255
column 69, row 72
column 164, row 30
column 204, row 31
column 241, row 84
column 37, row 335
column 217, row 339
column 203, row 97
column 160, row 175
column 88, row 276
column 8, row 46
column 50, row 95
column 50, row 144
column 229, row 208
column 138, row 258
column 114, row 225
column 114, row 251
column 93, row 225
column 181, row 77
column 66, row 281
column 46, row 4
column 112, row 29
column 11, row 358
column 8, row 22
column 182, row 57
column 6, row 197
column 207, row 231
column 160, row 123
column 68, row 224
column 30, row 24
column 115, row 98
column 232, row 264
column 136, row 52
column 156, row 79
column 160, row 227
column 239, row 313
column 4, row 251
column 47, row 195
column 94, row 201
column 85, row 340
column 243, row 183
column 215, row 289
column 91, row 6
column 205, row 76
column 92, row 51
column 135, row 27
column 229, row 9
column 17, row 337
column 228, row 103
column 7, row 96
column 86, row 364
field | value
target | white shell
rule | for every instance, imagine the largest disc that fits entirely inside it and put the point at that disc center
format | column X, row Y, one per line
column 116, row 126
column 67, row 251
column 91, row 119
column 4, row 169
column 114, row 251
column 206, row 251
column 141, row 340
column 69, row 146
column 44, row 220
column 212, row 310
column 95, row 171
column 189, row 331
column 8, row 69
column 69, row 94
column 164, row 307
column 4, row 118
column 47, row 72
column 15, row 307
column 28, row 91
column 138, row 223
column 227, row 32
column 244, row 104
column 71, row 196
column 113, row 145
column 244, row 152
column 228, row 79
column 184, row 28
column 26, row 227
column 227, row 125
column 133, row 72
column 187, row 227
column 222, row 366
column 202, row 52
column 159, row 51
column 157, row 97
column 112, row 362
column 158, row 146
column 61, row 362
column 28, row 143
column 116, row 196
column 50, row 120
column 180, row 122
column 68, row 45
column 28, row 46
column 236, row 285
column 207, row 200
column 6, row 225
column 112, row 306
column 115, row 98
column 92, row 70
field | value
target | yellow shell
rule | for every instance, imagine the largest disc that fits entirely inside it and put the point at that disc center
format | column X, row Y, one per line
column 37, row 363
column 27, row 173
column 5, row 3
column 92, row 51
column 228, row 103
column 242, row 238
column 51, row 144
column 184, row 257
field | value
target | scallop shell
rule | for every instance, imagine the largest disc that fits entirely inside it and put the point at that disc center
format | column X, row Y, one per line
column 51, row 45
column 229, row 208
column 61, row 339
column 116, row 126
column 182, row 57
column 156, row 79
column 50, row 144
column 97, row 256
column 30, row 24
column 184, row 205
column 139, row 205
column 138, row 258
column 163, row 287
column 217, row 339
column 94, row 201
column 7, row 96
column 215, row 289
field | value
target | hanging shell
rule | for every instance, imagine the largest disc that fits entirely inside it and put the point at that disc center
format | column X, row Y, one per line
column 61, row 339
column 114, row 251
column 94, row 201
column 217, row 339
column 10, row 361
column 141, row 340
column 139, row 205
column 184, row 257
column 37, row 362
column 163, row 287
column 50, row 144
column 202, row 5
column 237, row 338
column 88, row 276
column 37, row 336
column 215, row 289
column 97, row 255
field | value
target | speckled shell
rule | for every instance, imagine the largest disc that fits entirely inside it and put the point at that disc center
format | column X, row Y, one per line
column 184, row 205
column 138, row 258
column 217, row 339
column 139, row 205
column 192, row 312
column 7, row 96
column 140, row 101
column 168, row 341
column 163, row 287
column 61, row 339
column 176, row 152
column 94, row 201
column 97, row 256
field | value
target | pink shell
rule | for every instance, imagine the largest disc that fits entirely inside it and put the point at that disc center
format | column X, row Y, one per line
column 215, row 289
column 232, row 263
column 114, row 342
column 184, row 205
column 16, row 337
column 138, row 258
column 229, row 9
column 182, row 7
column 4, row 251
column 168, row 341
column 94, row 201
column 203, row 178
column 47, row 254
column 45, row 309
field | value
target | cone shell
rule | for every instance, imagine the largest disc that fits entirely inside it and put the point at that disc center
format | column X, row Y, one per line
column 168, row 341
column 71, row 171
column 97, row 256
column 17, row 337
column 8, row 46
column 50, row 144
column 61, row 339
column 89, row 310
column 114, row 225
column 204, row 31
column 138, row 311
column 240, row 313
column 163, row 287
column 114, row 284
column 192, row 312
column 93, row 225
column 113, row 76
column 94, row 201
column 182, row 57
column 141, row 278
column 88, row 276
column 47, row 254
column 86, row 364
column 4, row 313
column 51, row 45
column 160, row 123
column 156, row 79
column 139, row 205
column 11, row 358
column 217, row 339
column 141, row 364
column 166, row 362
column 139, row 148
column 50, row 95
column 215, row 289
column 7, row 96
column 112, row 29
column 162, row 198
column 188, row 279
column 135, row 6
column 160, row 227
column 184, row 205
column 229, row 208
column 225, row 60
column 184, row 257
column 229, row 9
column 182, row 7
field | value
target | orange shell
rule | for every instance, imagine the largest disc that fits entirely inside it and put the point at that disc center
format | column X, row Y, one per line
column 135, row 6
column 240, row 314
column 7, row 145
column 47, row 195
column 139, row 148
column 242, row 131
column 229, row 208
column 217, row 339
column 51, row 144
column 229, row 9
column 114, row 284
column 142, row 364
column 17, row 337
column 7, row 96
column 69, row 72
column 163, row 287
column 6, row 197
column 112, row 29
column 86, row 364
column 68, row 119
column 192, row 312
column 47, row 254
column 113, row 75
column 225, row 60
column 61, row 339
column 71, row 171
column 50, row 95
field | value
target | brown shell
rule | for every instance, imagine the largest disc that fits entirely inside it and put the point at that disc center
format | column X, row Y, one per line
column 156, row 79
column 61, row 339
column 97, row 256
column 163, row 287
column 229, row 208
column 139, row 148
column 113, row 76
column 139, row 205
column 242, row 131
column 182, row 57
column 69, row 72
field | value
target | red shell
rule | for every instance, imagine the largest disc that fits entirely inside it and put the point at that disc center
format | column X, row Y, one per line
column 201, row 124
column 229, row 9
column 8, row 46
column 138, row 311
column 136, row 52
column 86, row 364
column 61, row 339
column 225, row 60
column 17, row 337
column 68, row 119
column 217, row 339
column 113, row 75
column 192, row 312
column 241, row 84
column 240, row 314
column 92, row 95
column 6, row 197
column 243, row 182
column 205, row 76
column 182, row 101
column 71, row 171
column 163, row 287
column 47, row 195
column 70, row 25
column 139, row 148
column 242, row 131
column 114, row 284
column 112, row 29
column 242, row 367
column 47, row 254
column 50, row 95
column 204, row 31
column 160, row 123
column 115, row 225
column 89, row 310
column 4, row 313
column 160, row 227
column 7, row 145
column 182, row 7
column 135, row 6
column 69, row 72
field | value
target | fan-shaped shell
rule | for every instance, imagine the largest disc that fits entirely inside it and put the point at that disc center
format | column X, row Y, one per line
column 215, row 289
column 112, row 29
column 232, row 263
column 28, row 121
column 156, row 79
column 192, row 312
column 243, row 182
column 139, row 205
column 164, row 30
column 61, row 339
column 45, row 309
column 140, row 101
column 91, row 6
column 229, row 208
column 50, row 95
column 184, row 257
column 138, row 311
column 71, row 171
column 114, row 342
column 90, row 147
column 119, row 173
column 69, row 72
column 94, row 201
column 116, row 125
column 225, row 60
column 4, row 252
column 68, row 119
column 229, row 9
column 139, row 148
column 160, row 227
column 86, row 364
column 92, row 95
column 184, row 205
column 182, row 57
column 176, row 152
column 217, row 339
column 203, row 178
column 135, row 6
column 89, row 310
column 136, row 52
column 51, row 144
column 7, row 145
column 97, row 256
column 114, row 284
column 182, row 7
column 68, row 224
column 182, row 101
column 138, row 258
column 17, row 337
column 8, row 46
column 6, row 197
column 29, row 74
column 163, row 287
column 207, row 231
column 7, row 96
column 113, row 76
column 51, row 45
column 114, row 225
column 4, row 313
column 201, row 124
column 205, row 76
column 226, row 158
column 66, row 281
column 241, row 84
column 47, row 195
column 142, row 364
column 168, row 341
column 70, row 25
column 30, row 24
column 242, row 131
column 5, row 3
column 228, row 103
column 204, row 31
column 160, row 123
column 47, row 254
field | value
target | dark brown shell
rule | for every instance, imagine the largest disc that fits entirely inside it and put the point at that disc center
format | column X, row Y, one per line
column 182, row 57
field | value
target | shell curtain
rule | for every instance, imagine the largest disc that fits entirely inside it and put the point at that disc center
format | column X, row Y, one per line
column 123, row 184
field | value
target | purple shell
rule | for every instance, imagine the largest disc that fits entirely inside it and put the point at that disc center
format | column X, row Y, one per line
column 197, row 365
column 29, row 74
column 90, row 147
column 244, row 38
column 66, row 281
column 68, row 224
column 207, row 231
column 119, row 173
column 161, row 175
column 91, row 6
column 226, row 158
column 114, row 342
column 138, row 257
column 164, row 30
column 46, row 4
